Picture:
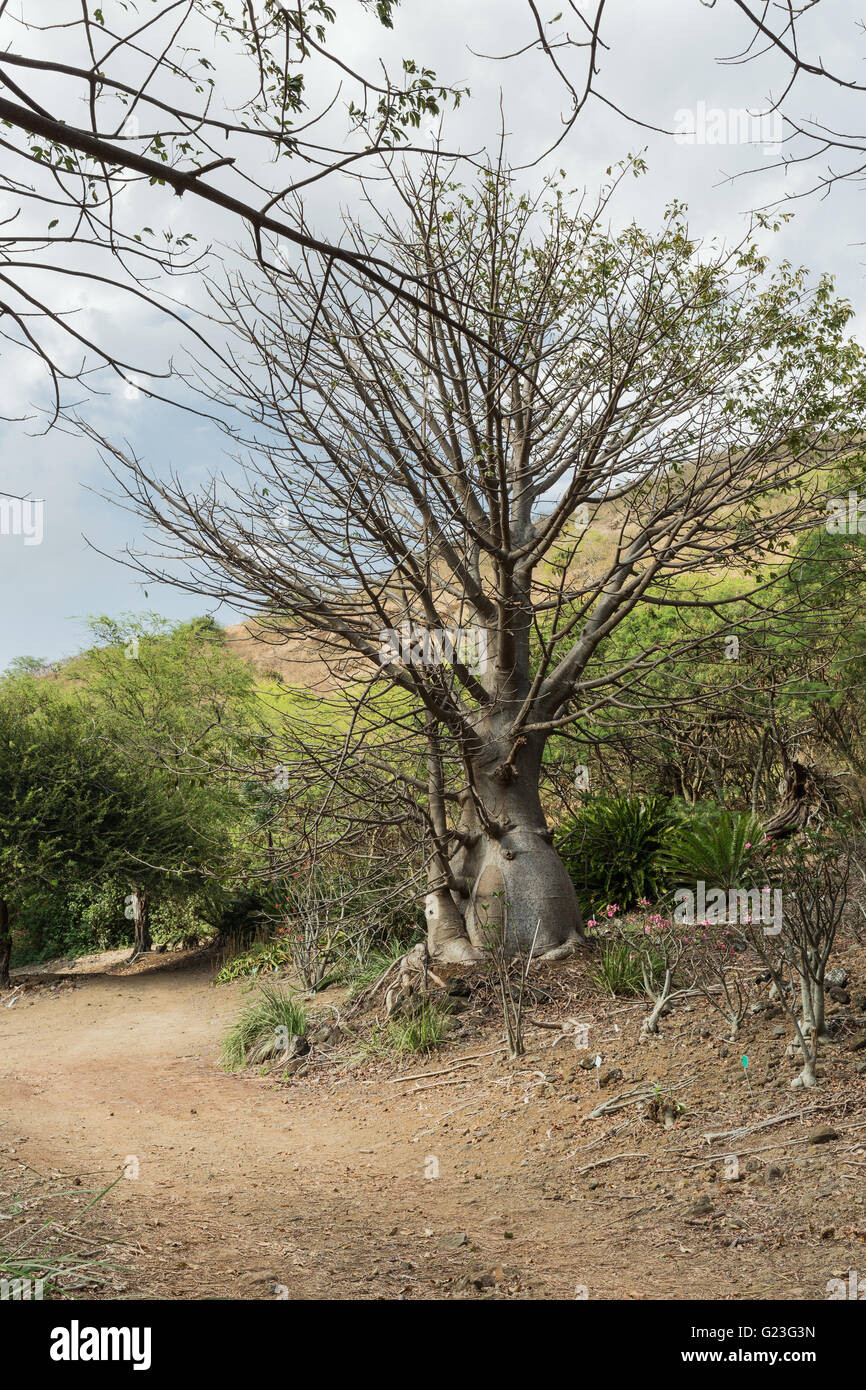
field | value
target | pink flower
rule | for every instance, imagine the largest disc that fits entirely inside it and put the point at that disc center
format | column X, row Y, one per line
column 748, row 844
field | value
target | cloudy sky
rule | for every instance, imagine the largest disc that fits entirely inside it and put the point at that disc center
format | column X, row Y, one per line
column 661, row 66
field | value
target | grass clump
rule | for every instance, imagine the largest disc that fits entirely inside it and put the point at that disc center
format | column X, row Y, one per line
column 412, row 1034
column 35, row 1261
column 264, row 1029
column 620, row 969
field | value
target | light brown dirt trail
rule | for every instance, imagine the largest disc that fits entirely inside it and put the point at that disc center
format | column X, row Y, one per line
column 327, row 1188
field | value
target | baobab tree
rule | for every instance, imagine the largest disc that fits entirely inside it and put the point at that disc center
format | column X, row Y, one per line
column 426, row 510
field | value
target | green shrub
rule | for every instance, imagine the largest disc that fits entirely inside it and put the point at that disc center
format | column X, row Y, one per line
column 619, row 971
column 717, row 847
column 417, row 1032
column 73, row 922
column 261, row 958
column 613, row 849
column 264, row 1029
column 90, row 917
column 176, row 918
column 376, row 962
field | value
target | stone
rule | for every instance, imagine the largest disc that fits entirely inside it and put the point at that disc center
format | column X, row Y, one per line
column 857, row 1043
column 837, row 976
column 838, row 995
column 773, row 1173
column 489, row 1278
column 823, row 1134
column 458, row 989
column 453, row 1242
column 703, row 1207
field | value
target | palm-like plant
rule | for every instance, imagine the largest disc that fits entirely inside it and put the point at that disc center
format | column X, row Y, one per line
column 716, row 848
column 613, row 848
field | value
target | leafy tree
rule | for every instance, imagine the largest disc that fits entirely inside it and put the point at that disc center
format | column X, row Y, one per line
column 175, row 704
column 88, row 800
column 63, row 804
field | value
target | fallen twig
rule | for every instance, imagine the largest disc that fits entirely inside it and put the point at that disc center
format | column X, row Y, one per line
column 742, row 1130
column 455, row 1081
column 600, row 1162
column 634, row 1097
column 443, row 1071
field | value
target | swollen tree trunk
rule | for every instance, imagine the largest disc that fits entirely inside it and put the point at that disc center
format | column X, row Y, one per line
column 507, row 870
column 5, row 945
column 141, row 921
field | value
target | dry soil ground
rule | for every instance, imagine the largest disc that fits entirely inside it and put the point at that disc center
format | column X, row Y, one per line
column 362, row 1179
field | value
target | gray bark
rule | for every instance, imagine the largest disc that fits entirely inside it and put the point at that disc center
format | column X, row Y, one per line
column 507, row 869
column 141, row 921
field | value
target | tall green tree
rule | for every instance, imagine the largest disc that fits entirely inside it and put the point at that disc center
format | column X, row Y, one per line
column 115, row 773
column 176, row 706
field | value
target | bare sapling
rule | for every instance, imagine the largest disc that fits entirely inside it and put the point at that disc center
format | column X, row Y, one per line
column 510, row 965
column 815, row 875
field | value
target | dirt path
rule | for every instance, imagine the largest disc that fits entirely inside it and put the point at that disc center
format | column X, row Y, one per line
column 326, row 1188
